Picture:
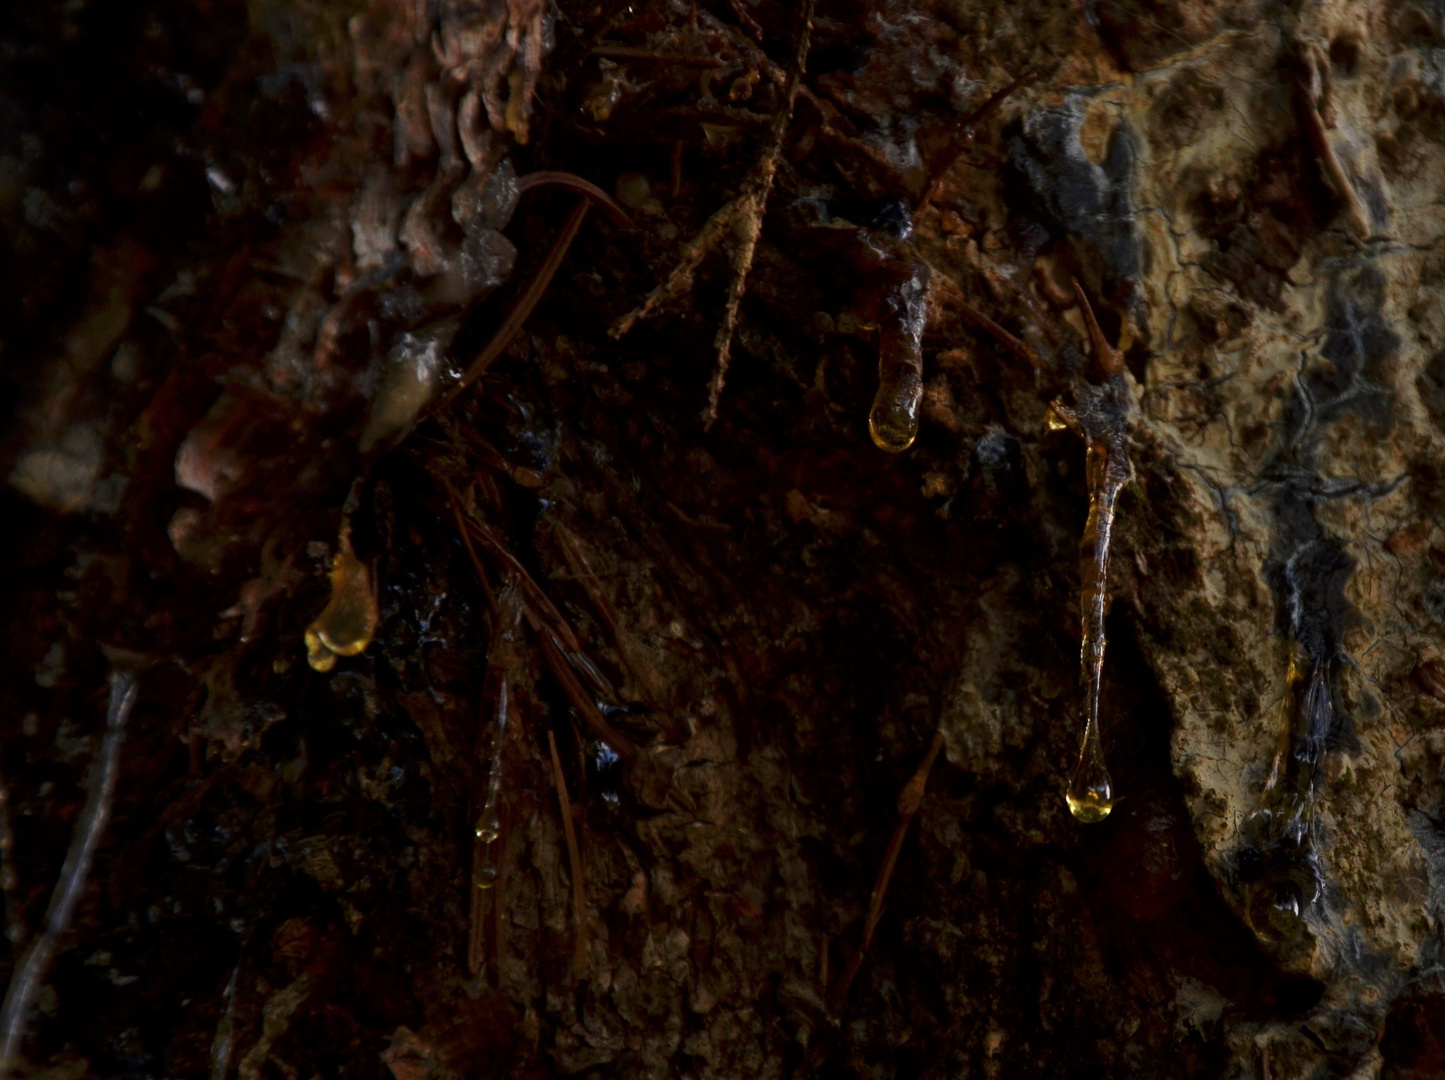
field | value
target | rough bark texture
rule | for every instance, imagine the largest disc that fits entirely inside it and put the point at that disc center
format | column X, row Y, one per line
column 251, row 250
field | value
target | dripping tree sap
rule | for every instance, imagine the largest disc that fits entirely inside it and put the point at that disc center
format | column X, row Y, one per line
column 502, row 658
column 778, row 617
column 893, row 420
column 1099, row 418
column 1090, row 793
column 347, row 624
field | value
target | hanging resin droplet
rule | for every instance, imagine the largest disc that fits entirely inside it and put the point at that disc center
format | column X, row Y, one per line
column 893, row 421
column 501, row 659
column 1281, row 829
column 484, row 853
column 347, row 624
column 485, row 875
column 1091, row 791
column 1099, row 417
column 488, row 831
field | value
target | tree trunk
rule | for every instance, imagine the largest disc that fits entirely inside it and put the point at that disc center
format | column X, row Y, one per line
column 601, row 505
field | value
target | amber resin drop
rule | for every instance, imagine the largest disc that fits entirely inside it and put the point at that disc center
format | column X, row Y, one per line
column 1091, row 790
column 893, row 421
column 347, row 624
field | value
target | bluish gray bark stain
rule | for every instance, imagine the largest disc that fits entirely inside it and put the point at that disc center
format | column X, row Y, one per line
column 1053, row 184
column 1277, row 865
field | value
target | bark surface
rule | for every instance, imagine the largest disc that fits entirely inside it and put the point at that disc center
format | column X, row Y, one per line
column 458, row 420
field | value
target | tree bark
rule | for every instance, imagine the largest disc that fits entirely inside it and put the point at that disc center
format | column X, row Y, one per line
column 604, row 507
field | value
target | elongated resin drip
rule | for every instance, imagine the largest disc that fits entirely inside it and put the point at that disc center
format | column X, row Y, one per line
column 488, row 828
column 1308, row 713
column 893, row 420
column 1091, row 793
column 502, row 662
column 1099, row 418
column 1280, row 831
column 347, row 624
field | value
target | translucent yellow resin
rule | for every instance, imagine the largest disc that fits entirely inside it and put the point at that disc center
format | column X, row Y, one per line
column 347, row 624
column 1091, row 791
column 893, row 421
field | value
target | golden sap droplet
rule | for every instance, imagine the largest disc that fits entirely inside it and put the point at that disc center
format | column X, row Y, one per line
column 317, row 654
column 1089, row 807
column 347, row 624
column 892, row 425
column 1054, row 421
column 1091, row 790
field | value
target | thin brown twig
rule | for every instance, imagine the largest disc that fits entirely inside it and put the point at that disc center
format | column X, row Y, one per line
column 680, row 279
column 489, row 831
column 633, row 655
column 978, row 116
column 471, row 551
column 988, row 326
column 513, row 838
column 652, row 56
column 585, row 706
column 752, row 52
column 741, row 217
column 746, row 20
column 1107, row 356
column 761, row 186
column 508, row 609
column 1334, row 171
column 909, row 800
column 555, row 178
column 997, row 98
column 524, row 305
column 574, row 855
column 537, row 597
column 560, row 647
column 89, row 828
column 585, row 576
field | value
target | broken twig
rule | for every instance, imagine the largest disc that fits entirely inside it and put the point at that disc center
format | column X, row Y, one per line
column 909, row 800
column 574, row 856
column 586, row 708
column 1313, row 89
column 553, row 178
column 1107, row 356
column 982, row 113
column 105, row 772
column 471, row 550
column 525, row 303
column 743, row 216
column 972, row 315
column 9, row 881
